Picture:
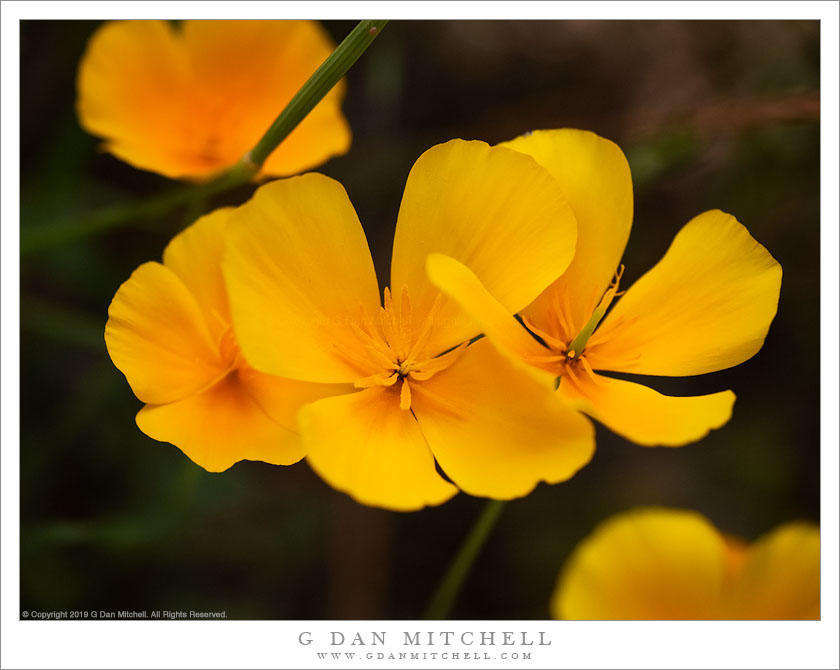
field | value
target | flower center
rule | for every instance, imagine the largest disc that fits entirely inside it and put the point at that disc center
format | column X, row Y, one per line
column 578, row 344
column 231, row 361
column 391, row 346
column 566, row 355
column 229, row 349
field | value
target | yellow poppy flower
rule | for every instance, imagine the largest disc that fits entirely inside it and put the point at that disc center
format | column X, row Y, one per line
column 169, row 333
column 706, row 306
column 655, row 563
column 190, row 101
column 305, row 304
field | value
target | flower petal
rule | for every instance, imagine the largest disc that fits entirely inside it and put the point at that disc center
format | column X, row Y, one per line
column 247, row 72
column 298, row 270
column 282, row 398
column 645, row 416
column 495, row 431
column 131, row 83
column 595, row 180
column 780, row 578
column 319, row 137
column 365, row 445
column 227, row 423
column 493, row 209
column 195, row 255
column 157, row 336
column 647, row 563
column 458, row 282
column 706, row 306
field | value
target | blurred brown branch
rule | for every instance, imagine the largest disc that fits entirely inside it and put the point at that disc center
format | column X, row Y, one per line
column 736, row 115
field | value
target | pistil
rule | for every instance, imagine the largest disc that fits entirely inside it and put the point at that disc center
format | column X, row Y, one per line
column 578, row 344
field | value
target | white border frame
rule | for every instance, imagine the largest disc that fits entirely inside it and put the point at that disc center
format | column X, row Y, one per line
column 272, row 644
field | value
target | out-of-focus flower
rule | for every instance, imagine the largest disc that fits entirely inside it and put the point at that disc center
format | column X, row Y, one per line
column 655, row 563
column 189, row 101
column 169, row 333
column 305, row 305
column 706, row 306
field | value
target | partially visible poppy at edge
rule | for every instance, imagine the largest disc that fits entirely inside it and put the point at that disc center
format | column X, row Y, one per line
column 188, row 101
column 659, row 563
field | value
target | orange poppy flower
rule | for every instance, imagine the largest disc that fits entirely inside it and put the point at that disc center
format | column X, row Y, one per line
column 706, row 306
column 655, row 563
column 169, row 332
column 189, row 101
column 305, row 305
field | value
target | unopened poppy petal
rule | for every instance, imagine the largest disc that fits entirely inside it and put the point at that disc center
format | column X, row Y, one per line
column 365, row 445
column 225, row 424
column 497, row 432
column 157, row 337
column 298, row 271
column 780, row 578
column 491, row 208
column 594, row 178
column 645, row 416
column 706, row 306
column 649, row 563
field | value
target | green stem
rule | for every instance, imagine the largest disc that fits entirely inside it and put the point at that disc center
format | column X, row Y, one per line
column 316, row 87
column 447, row 591
column 37, row 238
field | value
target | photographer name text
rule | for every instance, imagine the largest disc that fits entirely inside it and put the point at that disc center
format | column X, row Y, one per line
column 429, row 638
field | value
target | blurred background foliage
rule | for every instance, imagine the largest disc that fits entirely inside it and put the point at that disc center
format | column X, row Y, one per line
column 711, row 114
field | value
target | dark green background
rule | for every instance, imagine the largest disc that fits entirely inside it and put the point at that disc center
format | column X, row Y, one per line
column 710, row 114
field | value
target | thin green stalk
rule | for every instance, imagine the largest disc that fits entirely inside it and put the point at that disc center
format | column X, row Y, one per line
column 37, row 238
column 447, row 591
column 316, row 87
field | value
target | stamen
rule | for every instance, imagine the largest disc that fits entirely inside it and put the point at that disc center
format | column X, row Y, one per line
column 384, row 346
column 429, row 368
column 388, row 322
column 550, row 340
column 405, row 316
column 366, row 323
column 555, row 364
column 565, row 322
column 589, row 371
column 355, row 358
column 405, row 395
column 381, row 379
column 425, row 330
column 375, row 347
